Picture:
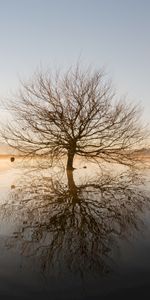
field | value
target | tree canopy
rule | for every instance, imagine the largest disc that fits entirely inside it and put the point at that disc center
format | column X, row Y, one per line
column 73, row 113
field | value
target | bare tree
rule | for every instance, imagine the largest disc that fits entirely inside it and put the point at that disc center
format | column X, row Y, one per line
column 74, row 113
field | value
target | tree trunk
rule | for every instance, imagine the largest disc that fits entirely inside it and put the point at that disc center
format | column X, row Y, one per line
column 72, row 187
column 71, row 184
column 70, row 160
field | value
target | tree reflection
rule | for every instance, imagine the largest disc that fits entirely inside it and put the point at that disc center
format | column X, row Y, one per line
column 73, row 227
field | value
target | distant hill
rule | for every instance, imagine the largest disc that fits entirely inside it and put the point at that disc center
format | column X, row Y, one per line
column 144, row 151
column 6, row 150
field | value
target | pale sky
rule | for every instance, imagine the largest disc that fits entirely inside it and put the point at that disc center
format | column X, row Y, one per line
column 55, row 33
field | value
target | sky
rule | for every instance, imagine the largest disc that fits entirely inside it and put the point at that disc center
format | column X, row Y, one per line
column 114, row 34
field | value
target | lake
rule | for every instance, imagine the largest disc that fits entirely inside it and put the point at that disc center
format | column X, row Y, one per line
column 76, row 235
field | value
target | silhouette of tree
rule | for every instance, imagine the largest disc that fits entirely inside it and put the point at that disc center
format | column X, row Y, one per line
column 74, row 113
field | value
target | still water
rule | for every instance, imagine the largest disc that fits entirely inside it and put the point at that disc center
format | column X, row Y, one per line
column 76, row 235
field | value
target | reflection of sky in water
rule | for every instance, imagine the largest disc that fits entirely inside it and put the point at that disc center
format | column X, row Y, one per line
column 21, row 271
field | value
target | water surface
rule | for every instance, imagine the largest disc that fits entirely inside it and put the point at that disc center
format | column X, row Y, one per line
column 81, row 235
